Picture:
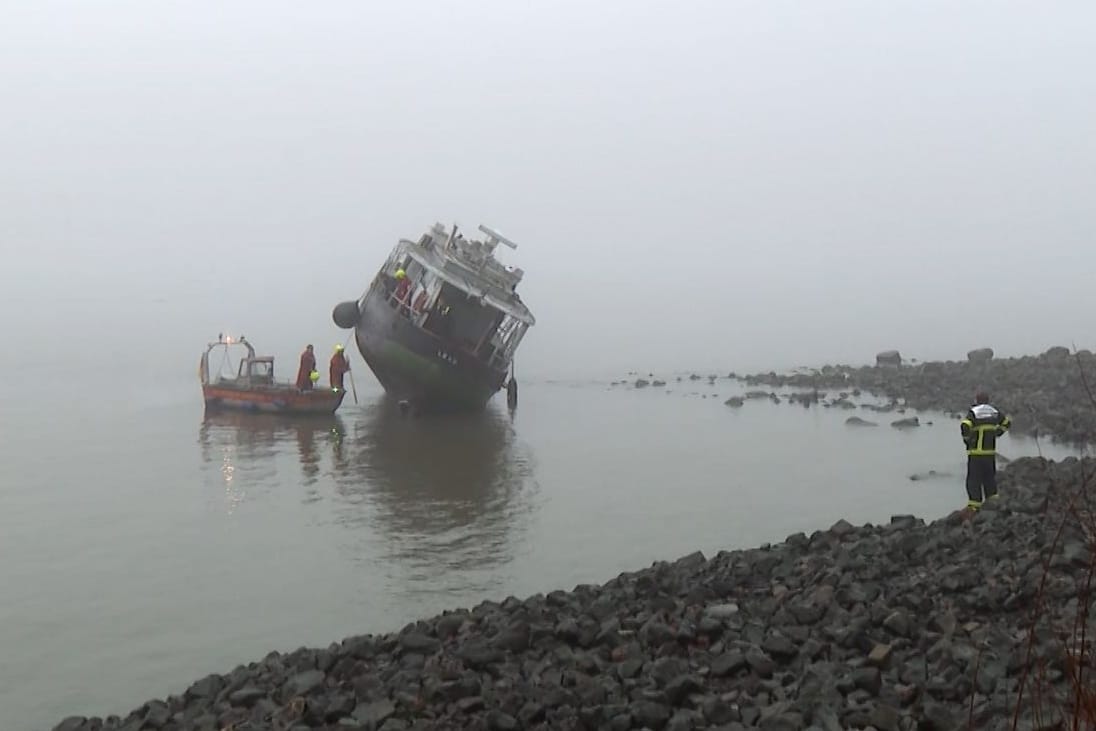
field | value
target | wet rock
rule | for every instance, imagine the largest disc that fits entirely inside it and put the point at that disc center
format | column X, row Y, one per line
column 880, row 656
column 930, row 475
column 247, row 697
column 499, row 721
column 734, row 401
column 72, row 723
column 651, row 715
column 374, row 714
column 980, row 355
column 907, row 423
column 1048, row 393
column 868, row 679
column 857, row 421
column 729, row 663
column 304, row 683
column 760, row 662
column 479, row 654
column 419, row 643
column 888, row 358
column 721, row 611
column 207, row 687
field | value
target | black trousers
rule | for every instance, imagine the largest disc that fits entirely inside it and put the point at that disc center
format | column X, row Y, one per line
column 981, row 476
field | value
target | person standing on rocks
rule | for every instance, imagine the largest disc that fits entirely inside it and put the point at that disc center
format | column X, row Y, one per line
column 981, row 427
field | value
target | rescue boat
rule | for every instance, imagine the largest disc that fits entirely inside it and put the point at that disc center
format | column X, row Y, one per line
column 253, row 388
column 441, row 321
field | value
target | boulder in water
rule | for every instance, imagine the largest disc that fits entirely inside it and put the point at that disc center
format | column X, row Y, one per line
column 888, row 358
column 980, row 355
column 917, row 477
column 906, row 423
column 857, row 421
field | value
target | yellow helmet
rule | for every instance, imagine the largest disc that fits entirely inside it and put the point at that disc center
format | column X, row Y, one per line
column 400, row 274
column 314, row 375
column 338, row 348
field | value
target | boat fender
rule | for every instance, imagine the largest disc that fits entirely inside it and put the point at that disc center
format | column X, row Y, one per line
column 346, row 315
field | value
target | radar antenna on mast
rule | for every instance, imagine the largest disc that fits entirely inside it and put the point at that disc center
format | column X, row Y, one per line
column 496, row 238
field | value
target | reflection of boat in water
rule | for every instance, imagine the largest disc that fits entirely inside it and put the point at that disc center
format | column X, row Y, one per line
column 253, row 388
column 446, row 490
column 432, row 494
column 441, row 321
column 236, row 440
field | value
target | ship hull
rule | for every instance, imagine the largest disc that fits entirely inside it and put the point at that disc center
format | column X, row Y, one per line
column 417, row 366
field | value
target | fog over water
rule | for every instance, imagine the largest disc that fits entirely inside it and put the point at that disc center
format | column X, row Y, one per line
column 701, row 186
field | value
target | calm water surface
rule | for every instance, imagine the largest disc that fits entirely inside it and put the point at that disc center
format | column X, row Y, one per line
column 146, row 544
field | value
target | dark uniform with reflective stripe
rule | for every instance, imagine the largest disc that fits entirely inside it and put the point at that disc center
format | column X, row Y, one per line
column 980, row 429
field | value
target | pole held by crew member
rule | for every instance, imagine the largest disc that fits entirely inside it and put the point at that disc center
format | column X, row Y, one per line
column 339, row 367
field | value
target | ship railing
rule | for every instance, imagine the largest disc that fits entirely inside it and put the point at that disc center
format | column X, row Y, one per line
column 502, row 345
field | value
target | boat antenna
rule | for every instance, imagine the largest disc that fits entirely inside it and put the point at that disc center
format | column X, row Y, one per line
column 495, row 238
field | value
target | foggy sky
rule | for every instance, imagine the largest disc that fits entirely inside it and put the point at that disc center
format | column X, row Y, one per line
column 698, row 184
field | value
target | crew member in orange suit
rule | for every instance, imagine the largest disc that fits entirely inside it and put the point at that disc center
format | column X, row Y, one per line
column 304, row 373
column 339, row 366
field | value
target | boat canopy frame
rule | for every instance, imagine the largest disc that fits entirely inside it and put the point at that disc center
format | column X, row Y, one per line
column 245, row 374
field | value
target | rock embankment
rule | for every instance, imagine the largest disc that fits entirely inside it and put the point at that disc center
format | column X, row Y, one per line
column 1045, row 394
column 893, row 627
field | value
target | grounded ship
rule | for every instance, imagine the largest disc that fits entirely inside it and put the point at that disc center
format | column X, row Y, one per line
column 441, row 321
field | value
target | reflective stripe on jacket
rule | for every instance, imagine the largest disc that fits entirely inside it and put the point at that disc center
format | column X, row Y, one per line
column 981, row 427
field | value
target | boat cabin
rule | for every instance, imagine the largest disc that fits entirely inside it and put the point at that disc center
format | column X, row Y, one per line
column 456, row 290
column 256, row 371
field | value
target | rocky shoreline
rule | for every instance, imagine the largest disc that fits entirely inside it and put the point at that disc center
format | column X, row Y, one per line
column 893, row 627
column 1046, row 395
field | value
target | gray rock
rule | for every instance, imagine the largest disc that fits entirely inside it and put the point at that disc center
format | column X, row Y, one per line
column 650, row 714
column 207, row 687
column 247, row 696
column 479, row 654
column 72, row 723
column 898, row 622
column 868, row 680
column 419, row 643
column 856, row 421
column 980, row 355
column 499, row 721
column 888, row 358
column 721, row 611
column 760, row 663
column 907, row 423
column 304, row 683
column 729, row 663
column 376, row 713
